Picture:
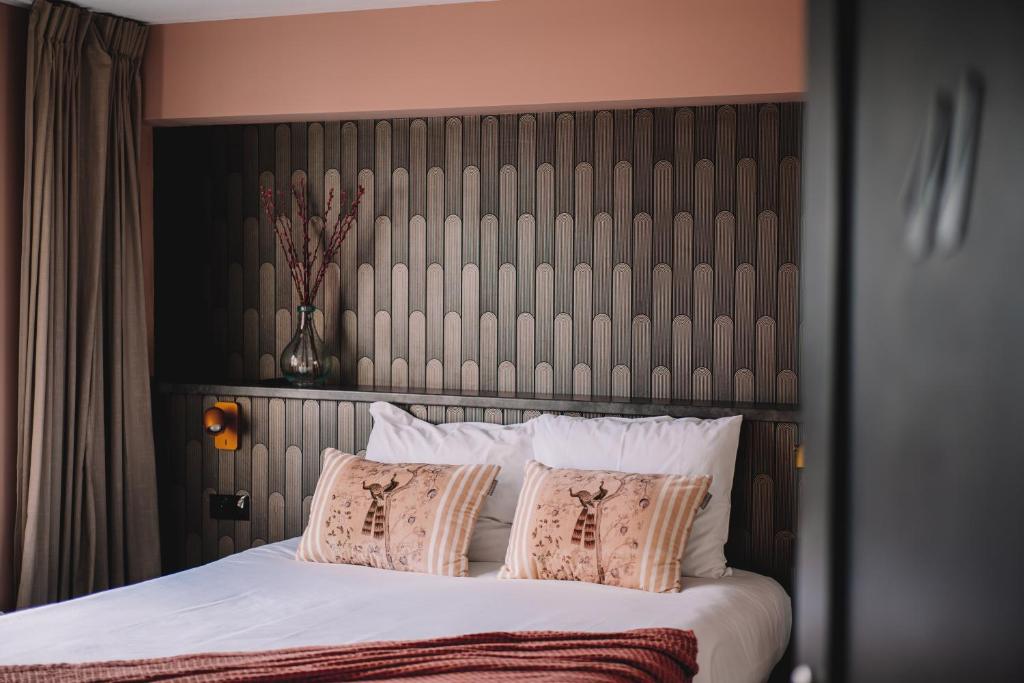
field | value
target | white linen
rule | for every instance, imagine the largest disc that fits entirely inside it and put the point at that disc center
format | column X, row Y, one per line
column 655, row 445
column 399, row 437
column 263, row 599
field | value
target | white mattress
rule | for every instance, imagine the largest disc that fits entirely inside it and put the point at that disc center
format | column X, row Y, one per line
column 263, row 599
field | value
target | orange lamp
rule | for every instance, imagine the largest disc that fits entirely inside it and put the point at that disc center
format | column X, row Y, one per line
column 221, row 422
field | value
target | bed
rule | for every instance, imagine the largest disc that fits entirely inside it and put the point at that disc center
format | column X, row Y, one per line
column 263, row 599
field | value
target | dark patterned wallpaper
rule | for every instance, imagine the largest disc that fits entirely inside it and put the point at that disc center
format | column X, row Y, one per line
column 648, row 253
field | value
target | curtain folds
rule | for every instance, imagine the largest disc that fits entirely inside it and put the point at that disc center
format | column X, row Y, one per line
column 86, row 516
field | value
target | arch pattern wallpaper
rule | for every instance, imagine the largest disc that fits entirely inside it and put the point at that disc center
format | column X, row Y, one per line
column 647, row 253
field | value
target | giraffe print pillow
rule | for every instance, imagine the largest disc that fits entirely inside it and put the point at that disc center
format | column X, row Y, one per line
column 409, row 517
column 613, row 528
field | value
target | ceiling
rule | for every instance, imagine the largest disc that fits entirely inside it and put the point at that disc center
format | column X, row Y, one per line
column 178, row 11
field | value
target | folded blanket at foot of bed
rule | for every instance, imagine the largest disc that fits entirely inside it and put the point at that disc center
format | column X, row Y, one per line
column 642, row 655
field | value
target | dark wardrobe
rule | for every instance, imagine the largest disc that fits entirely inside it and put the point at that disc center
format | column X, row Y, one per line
column 910, row 564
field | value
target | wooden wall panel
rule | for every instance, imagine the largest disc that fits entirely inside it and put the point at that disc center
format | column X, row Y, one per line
column 278, row 465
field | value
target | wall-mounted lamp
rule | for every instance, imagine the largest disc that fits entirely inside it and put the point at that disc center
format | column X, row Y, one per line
column 221, row 422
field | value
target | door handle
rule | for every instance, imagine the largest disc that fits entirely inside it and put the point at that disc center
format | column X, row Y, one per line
column 922, row 188
column 937, row 191
column 963, row 148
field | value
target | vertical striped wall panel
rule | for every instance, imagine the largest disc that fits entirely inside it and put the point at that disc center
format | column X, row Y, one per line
column 280, row 455
column 607, row 229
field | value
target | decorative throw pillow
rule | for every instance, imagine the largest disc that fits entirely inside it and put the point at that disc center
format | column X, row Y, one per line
column 603, row 527
column 398, row 436
column 409, row 517
column 660, row 445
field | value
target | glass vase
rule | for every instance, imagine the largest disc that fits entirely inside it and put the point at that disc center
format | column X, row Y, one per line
column 304, row 359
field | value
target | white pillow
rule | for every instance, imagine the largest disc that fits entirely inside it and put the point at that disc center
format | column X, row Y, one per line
column 655, row 445
column 398, row 437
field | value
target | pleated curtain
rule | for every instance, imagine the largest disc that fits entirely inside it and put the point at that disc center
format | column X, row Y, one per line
column 86, row 514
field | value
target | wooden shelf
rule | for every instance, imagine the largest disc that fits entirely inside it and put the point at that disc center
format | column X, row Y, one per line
column 483, row 399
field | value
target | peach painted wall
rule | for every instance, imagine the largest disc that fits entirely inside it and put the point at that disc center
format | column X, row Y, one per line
column 510, row 55
column 13, row 30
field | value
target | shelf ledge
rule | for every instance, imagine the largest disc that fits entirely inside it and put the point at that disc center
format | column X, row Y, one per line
column 486, row 399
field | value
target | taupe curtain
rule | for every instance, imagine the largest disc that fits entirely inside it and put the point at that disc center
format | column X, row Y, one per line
column 86, row 514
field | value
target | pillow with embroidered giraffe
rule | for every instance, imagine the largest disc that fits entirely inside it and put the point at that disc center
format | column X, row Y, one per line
column 412, row 517
column 614, row 528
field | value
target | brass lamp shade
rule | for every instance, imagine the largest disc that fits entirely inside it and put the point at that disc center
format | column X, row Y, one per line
column 213, row 421
column 221, row 422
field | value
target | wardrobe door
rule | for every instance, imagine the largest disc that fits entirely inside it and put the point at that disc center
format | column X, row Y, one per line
column 934, row 466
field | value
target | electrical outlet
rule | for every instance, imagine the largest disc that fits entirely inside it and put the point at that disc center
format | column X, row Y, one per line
column 230, row 506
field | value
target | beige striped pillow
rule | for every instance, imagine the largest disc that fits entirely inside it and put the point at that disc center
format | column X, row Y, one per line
column 603, row 527
column 409, row 517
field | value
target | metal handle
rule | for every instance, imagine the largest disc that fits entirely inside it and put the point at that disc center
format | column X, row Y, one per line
column 923, row 187
column 963, row 147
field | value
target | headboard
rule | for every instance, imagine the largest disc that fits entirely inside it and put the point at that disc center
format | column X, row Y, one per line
column 285, row 429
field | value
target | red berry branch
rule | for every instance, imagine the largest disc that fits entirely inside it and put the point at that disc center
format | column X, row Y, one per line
column 308, row 268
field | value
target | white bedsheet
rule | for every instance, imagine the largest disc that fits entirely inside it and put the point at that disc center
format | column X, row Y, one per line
column 263, row 599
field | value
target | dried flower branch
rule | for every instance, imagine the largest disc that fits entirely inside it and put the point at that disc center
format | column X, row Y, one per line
column 308, row 268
